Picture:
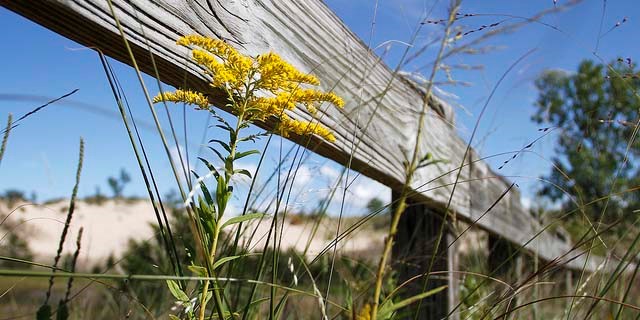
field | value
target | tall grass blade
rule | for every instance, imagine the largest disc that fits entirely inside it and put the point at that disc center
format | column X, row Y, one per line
column 45, row 310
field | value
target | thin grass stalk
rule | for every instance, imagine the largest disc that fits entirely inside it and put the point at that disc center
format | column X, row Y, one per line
column 274, row 258
column 262, row 262
column 626, row 260
column 212, row 253
column 160, row 204
column 74, row 262
column 458, row 174
column 591, row 297
column 546, row 268
column 636, row 130
column 626, row 293
column 195, row 226
column 321, row 213
column 302, row 158
column 185, row 170
column 5, row 138
column 348, row 166
column 275, row 223
column 65, row 230
column 630, row 143
column 410, row 170
column 174, row 258
column 34, row 111
column 62, row 313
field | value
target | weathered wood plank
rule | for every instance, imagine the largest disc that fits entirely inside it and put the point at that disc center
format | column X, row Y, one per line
column 313, row 38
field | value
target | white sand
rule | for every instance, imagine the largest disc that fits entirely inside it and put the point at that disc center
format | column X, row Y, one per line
column 109, row 227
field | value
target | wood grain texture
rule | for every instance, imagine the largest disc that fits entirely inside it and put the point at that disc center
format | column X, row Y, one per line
column 380, row 115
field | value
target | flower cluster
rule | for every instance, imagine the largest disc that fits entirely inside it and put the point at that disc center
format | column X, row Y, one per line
column 258, row 88
column 189, row 97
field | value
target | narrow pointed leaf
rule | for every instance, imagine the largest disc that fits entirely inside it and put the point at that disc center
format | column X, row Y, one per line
column 242, row 218
column 244, row 172
column 224, row 260
column 388, row 308
column 222, row 143
column 176, row 291
column 240, row 155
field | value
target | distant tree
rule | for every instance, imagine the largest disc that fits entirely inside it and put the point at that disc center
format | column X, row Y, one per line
column 594, row 110
column 117, row 184
column 12, row 196
column 14, row 243
column 376, row 205
column 15, row 246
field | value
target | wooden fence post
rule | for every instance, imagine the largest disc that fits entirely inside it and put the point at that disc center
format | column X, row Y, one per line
column 414, row 246
column 501, row 263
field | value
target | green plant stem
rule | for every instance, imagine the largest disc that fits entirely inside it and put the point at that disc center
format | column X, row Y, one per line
column 205, row 288
column 410, row 170
column 216, row 232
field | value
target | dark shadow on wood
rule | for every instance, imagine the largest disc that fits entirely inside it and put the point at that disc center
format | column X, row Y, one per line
column 413, row 249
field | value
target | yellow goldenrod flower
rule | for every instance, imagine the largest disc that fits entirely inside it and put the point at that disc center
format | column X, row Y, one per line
column 186, row 96
column 365, row 313
column 242, row 77
column 214, row 46
column 301, row 128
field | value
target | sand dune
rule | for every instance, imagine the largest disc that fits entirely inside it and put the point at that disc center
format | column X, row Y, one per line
column 109, row 226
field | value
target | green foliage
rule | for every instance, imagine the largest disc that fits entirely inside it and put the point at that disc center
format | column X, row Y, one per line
column 150, row 257
column 15, row 246
column 594, row 110
column 375, row 205
column 472, row 292
column 117, row 184
column 12, row 197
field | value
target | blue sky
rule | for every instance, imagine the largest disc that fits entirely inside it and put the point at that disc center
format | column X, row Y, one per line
column 40, row 65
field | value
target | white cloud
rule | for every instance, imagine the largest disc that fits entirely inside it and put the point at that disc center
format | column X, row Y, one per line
column 329, row 172
column 526, row 202
column 300, row 178
column 365, row 189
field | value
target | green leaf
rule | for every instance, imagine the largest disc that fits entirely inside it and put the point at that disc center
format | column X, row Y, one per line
column 243, row 218
column 198, row 270
column 246, row 153
column 389, row 307
column 205, row 190
column 222, row 195
column 427, row 157
column 244, row 172
column 223, row 159
column 222, row 143
column 224, row 260
column 432, row 162
column 172, row 317
column 176, row 291
column 223, row 127
column 211, row 167
column 251, row 138
column 226, row 315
